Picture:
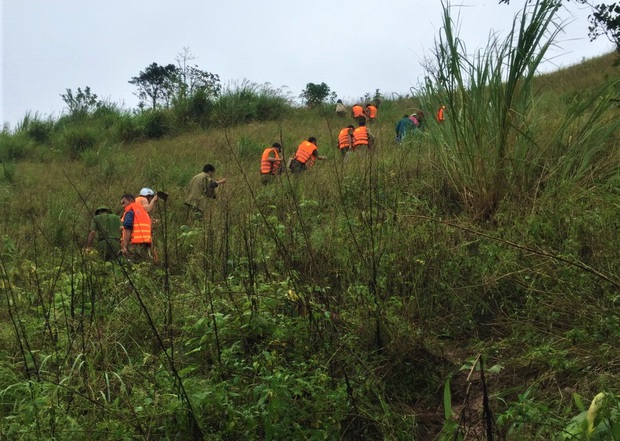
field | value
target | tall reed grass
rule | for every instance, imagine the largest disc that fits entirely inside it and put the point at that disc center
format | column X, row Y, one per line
column 499, row 140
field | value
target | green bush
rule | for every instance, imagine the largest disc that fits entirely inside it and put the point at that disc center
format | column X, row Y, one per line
column 156, row 123
column 77, row 140
column 8, row 172
column 14, row 147
column 247, row 102
column 127, row 129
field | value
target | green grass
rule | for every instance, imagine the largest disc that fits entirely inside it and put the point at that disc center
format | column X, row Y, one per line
column 334, row 304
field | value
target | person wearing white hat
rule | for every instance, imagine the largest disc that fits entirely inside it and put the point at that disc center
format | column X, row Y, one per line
column 147, row 198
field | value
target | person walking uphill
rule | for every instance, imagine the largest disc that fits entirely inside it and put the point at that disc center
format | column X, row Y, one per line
column 357, row 113
column 306, row 155
column 340, row 109
column 441, row 117
column 136, row 231
column 106, row 227
column 147, row 198
column 371, row 113
column 201, row 188
column 404, row 127
column 271, row 162
column 345, row 140
column 362, row 137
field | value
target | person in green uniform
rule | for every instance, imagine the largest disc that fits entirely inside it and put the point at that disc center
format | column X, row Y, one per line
column 200, row 189
column 106, row 227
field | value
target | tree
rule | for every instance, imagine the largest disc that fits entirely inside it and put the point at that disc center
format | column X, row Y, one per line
column 82, row 102
column 315, row 94
column 191, row 79
column 156, row 83
column 604, row 20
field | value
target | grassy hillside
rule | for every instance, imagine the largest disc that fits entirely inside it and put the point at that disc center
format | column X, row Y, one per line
column 461, row 283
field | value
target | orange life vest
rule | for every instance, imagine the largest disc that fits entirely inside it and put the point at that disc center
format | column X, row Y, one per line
column 306, row 153
column 141, row 232
column 440, row 116
column 360, row 136
column 372, row 112
column 344, row 140
column 357, row 111
column 270, row 168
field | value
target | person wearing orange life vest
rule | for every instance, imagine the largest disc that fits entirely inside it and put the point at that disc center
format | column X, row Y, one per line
column 306, row 155
column 371, row 113
column 357, row 112
column 362, row 137
column 345, row 140
column 271, row 162
column 441, row 118
column 136, row 230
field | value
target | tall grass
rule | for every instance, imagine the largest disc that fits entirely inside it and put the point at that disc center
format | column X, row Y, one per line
column 497, row 142
column 244, row 102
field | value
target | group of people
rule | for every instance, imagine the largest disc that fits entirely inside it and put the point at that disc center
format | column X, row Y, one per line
column 409, row 124
column 131, row 235
column 358, row 113
column 350, row 139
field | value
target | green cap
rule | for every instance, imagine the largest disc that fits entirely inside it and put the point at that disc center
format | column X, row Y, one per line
column 103, row 208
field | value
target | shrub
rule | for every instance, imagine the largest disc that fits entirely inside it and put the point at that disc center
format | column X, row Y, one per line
column 157, row 124
column 8, row 172
column 75, row 141
column 247, row 102
column 196, row 109
column 14, row 147
column 127, row 129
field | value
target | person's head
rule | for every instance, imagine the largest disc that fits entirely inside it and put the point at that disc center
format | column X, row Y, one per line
column 127, row 199
column 361, row 122
column 339, row 102
column 443, row 107
column 312, row 139
column 276, row 145
column 350, row 126
column 147, row 193
column 103, row 209
column 208, row 168
column 405, row 116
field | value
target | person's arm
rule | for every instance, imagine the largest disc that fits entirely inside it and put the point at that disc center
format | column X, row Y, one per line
column 90, row 238
column 371, row 139
column 127, row 229
column 148, row 207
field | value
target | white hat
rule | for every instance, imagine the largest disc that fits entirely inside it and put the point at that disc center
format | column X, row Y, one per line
column 147, row 192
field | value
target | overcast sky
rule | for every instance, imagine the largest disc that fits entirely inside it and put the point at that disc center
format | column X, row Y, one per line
column 353, row 46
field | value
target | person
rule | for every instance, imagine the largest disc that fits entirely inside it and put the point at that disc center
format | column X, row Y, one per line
column 421, row 120
column 341, row 110
column 403, row 127
column 357, row 112
column 106, row 227
column 136, row 230
column 147, row 198
column 441, row 117
column 362, row 137
column 371, row 113
column 306, row 155
column 345, row 140
column 271, row 162
column 201, row 188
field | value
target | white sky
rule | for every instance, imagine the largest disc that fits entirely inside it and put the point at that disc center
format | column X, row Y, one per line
column 353, row 46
